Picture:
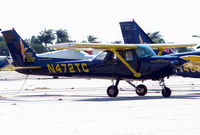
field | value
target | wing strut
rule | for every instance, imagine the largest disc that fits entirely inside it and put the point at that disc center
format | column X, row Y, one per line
column 160, row 50
column 136, row 74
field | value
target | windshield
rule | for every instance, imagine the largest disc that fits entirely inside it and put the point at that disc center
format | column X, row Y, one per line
column 144, row 51
column 183, row 49
column 101, row 56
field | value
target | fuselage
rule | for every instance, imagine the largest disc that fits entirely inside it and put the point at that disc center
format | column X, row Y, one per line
column 106, row 66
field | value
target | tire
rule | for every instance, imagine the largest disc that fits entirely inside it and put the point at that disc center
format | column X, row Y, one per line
column 55, row 77
column 141, row 90
column 166, row 92
column 112, row 91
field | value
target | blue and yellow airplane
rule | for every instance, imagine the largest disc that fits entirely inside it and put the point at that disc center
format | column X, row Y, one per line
column 133, row 34
column 117, row 62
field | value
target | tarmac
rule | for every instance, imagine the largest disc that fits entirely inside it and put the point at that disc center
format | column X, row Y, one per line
column 36, row 105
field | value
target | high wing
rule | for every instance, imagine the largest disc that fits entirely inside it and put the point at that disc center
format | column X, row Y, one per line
column 99, row 46
column 93, row 46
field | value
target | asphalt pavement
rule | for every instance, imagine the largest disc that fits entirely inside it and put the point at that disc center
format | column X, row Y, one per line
column 72, row 106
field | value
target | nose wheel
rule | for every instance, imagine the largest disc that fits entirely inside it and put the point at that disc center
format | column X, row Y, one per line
column 166, row 92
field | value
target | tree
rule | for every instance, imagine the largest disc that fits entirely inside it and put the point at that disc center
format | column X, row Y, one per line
column 3, row 47
column 91, row 38
column 84, row 41
column 117, row 42
column 38, row 48
column 35, row 40
column 62, row 36
column 1, row 39
column 46, row 36
column 156, row 37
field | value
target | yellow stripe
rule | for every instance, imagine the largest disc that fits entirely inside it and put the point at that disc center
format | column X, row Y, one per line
column 192, row 58
column 136, row 74
column 12, row 68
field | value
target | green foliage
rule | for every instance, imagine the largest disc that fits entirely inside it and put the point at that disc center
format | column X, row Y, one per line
column 1, row 38
column 91, row 38
column 46, row 36
column 38, row 48
column 3, row 49
column 117, row 42
column 156, row 37
column 84, row 41
column 35, row 40
column 62, row 36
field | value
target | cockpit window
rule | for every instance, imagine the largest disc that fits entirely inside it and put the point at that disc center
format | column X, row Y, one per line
column 184, row 49
column 101, row 56
column 129, row 55
column 144, row 51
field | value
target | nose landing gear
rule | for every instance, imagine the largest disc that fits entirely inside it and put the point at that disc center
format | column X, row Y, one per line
column 166, row 92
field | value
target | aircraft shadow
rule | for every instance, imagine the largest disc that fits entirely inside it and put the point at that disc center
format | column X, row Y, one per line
column 135, row 98
column 195, row 94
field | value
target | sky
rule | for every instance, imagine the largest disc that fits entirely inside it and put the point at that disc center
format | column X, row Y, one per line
column 177, row 20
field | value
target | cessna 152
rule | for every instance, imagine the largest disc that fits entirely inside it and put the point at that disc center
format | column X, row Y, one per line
column 117, row 62
column 133, row 34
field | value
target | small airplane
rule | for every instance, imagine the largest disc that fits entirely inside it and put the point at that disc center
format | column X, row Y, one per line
column 133, row 34
column 117, row 62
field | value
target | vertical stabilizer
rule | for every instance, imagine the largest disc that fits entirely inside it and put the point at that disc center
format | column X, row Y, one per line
column 133, row 34
column 21, row 53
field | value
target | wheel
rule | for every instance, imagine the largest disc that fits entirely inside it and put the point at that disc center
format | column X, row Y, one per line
column 55, row 77
column 166, row 92
column 112, row 91
column 141, row 90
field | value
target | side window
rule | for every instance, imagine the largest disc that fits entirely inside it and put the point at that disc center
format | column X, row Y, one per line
column 121, row 53
column 129, row 56
column 126, row 55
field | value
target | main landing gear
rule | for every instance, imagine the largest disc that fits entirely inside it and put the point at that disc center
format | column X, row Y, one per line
column 112, row 90
column 141, row 90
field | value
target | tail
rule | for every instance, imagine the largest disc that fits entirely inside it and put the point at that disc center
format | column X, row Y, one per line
column 21, row 54
column 133, row 34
